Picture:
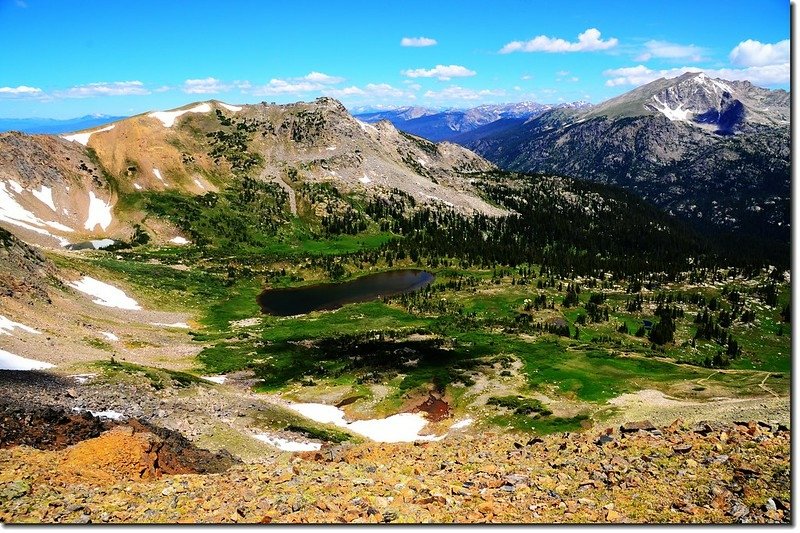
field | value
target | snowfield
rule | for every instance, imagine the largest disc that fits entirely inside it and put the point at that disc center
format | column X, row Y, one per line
column 13, row 213
column 402, row 427
column 45, row 195
column 113, row 415
column 168, row 118
column 7, row 326
column 229, row 107
column 105, row 294
column 288, row 445
column 99, row 213
column 83, row 138
column 181, row 325
column 462, row 423
column 9, row 361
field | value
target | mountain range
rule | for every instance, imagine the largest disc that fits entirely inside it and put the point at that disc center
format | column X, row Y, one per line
column 446, row 125
column 712, row 151
column 55, row 126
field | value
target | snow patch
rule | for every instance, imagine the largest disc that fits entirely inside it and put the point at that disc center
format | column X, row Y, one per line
column 168, row 117
column 331, row 148
column 45, row 195
column 137, row 186
column 7, row 326
column 462, row 423
column 199, row 183
column 288, row 445
column 402, row 427
column 82, row 378
column 99, row 244
column 181, row 325
column 58, row 226
column 366, row 127
column 10, row 361
column 365, row 179
column 179, row 240
column 157, row 173
column 672, row 114
column 215, row 379
column 110, row 336
column 113, row 415
column 99, row 213
column 229, row 107
column 105, row 294
column 83, row 138
column 13, row 213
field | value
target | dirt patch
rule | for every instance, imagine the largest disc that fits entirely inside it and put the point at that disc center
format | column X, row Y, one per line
column 104, row 451
column 436, row 408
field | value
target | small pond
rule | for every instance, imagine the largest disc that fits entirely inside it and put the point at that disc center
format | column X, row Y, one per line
column 326, row 296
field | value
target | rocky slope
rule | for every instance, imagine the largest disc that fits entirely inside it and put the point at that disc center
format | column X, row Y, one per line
column 713, row 151
column 25, row 273
column 57, row 190
column 637, row 473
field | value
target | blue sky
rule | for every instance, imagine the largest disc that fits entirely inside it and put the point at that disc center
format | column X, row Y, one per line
column 64, row 59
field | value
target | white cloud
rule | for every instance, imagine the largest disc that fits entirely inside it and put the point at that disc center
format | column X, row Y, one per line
column 313, row 81
column 20, row 91
column 667, row 50
column 441, row 72
column 752, row 53
column 588, row 41
column 205, row 86
column 116, row 88
column 319, row 77
column 371, row 91
column 417, row 41
column 461, row 93
column 640, row 74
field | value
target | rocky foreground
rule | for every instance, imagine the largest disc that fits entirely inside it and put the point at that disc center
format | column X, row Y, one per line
column 113, row 472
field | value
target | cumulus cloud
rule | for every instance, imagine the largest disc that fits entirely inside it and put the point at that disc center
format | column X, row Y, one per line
column 210, row 86
column 640, row 74
column 461, row 93
column 20, row 91
column 116, row 88
column 371, row 91
column 588, row 41
column 417, row 41
column 324, row 79
column 752, row 53
column 441, row 72
column 667, row 50
column 313, row 81
column 205, row 86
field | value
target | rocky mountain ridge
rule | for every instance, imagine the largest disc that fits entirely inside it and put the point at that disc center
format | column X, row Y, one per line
column 712, row 151
column 59, row 190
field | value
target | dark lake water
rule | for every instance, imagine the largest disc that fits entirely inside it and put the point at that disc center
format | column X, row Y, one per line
column 301, row 300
